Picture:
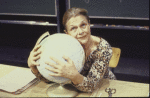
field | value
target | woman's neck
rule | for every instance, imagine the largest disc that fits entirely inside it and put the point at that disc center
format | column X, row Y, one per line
column 89, row 44
column 88, row 47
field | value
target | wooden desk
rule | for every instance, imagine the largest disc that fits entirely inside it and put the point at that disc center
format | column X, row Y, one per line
column 123, row 88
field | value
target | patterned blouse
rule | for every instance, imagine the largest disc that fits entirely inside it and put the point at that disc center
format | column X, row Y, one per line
column 96, row 67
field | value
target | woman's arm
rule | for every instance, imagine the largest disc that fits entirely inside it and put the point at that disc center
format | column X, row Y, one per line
column 98, row 68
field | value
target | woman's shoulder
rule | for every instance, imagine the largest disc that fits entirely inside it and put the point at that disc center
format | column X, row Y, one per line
column 96, row 39
column 102, row 43
column 99, row 40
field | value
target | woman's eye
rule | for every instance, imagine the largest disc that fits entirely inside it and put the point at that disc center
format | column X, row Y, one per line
column 83, row 25
column 73, row 28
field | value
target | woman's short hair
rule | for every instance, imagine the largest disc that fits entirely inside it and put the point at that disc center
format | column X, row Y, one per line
column 72, row 12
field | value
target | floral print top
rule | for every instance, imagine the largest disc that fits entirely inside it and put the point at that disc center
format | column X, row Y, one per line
column 96, row 67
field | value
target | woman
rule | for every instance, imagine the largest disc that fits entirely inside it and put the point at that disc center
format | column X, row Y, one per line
column 98, row 53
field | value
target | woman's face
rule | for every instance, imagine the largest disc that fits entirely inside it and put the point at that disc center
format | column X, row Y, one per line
column 79, row 28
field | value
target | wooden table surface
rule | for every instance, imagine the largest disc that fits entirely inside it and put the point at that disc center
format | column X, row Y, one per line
column 123, row 88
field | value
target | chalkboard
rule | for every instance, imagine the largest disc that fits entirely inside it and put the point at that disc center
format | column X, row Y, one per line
column 29, row 7
column 114, row 8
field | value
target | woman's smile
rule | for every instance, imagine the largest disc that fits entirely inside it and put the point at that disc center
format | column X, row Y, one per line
column 82, row 37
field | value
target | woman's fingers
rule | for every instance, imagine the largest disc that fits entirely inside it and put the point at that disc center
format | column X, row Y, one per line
column 36, row 47
column 68, row 59
column 36, row 63
column 36, row 58
column 52, row 64
column 56, row 60
column 54, row 74
column 52, row 69
column 33, row 64
column 37, row 53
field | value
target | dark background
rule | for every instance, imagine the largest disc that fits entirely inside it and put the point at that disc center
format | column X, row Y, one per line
column 130, row 33
column 43, row 7
column 114, row 8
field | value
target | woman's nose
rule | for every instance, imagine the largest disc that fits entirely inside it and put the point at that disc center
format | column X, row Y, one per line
column 80, row 31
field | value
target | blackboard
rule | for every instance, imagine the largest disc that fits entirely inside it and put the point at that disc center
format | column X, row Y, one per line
column 28, row 7
column 114, row 8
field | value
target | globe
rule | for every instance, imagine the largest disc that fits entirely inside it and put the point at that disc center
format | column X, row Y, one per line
column 57, row 45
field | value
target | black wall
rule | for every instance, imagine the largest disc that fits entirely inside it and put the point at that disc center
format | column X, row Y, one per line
column 43, row 7
column 114, row 8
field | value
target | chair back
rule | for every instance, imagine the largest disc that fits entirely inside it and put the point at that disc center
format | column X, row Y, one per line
column 115, row 57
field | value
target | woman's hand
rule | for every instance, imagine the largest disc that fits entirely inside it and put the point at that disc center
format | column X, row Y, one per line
column 33, row 57
column 67, row 70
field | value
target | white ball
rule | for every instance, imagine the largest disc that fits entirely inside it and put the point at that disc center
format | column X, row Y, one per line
column 57, row 45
